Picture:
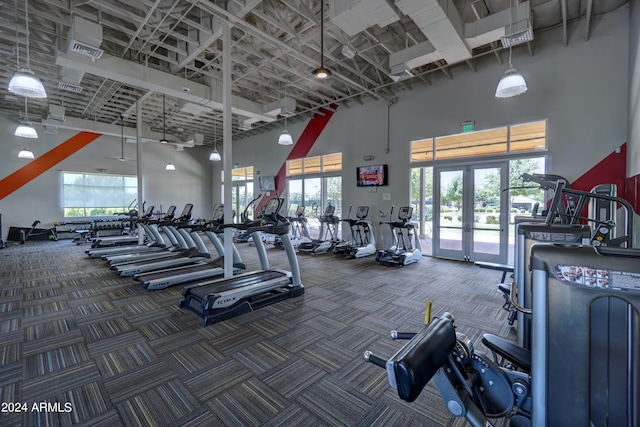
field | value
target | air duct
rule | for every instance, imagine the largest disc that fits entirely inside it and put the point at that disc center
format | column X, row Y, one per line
column 355, row 16
column 84, row 38
column 477, row 33
column 440, row 21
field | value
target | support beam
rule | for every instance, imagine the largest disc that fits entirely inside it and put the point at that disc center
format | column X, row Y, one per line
column 138, row 75
column 227, row 154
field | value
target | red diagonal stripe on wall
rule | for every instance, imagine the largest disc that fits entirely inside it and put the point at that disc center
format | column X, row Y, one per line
column 301, row 147
column 45, row 162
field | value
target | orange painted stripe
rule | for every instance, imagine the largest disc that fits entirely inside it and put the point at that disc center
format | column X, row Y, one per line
column 45, row 162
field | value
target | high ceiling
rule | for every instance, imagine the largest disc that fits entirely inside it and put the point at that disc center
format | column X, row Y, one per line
column 170, row 51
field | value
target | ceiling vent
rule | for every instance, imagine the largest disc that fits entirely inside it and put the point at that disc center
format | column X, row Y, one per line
column 401, row 75
column 517, row 38
column 56, row 113
column 85, row 49
column 69, row 87
column 84, row 38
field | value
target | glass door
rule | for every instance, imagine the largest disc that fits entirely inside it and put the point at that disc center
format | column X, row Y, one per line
column 470, row 212
column 241, row 195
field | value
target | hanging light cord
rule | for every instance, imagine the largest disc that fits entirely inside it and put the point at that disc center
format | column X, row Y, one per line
column 321, row 35
column 510, row 31
column 121, row 137
column 286, row 113
column 26, row 17
column 15, row 3
column 164, row 119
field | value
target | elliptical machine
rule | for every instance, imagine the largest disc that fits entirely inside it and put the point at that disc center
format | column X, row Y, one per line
column 362, row 241
column 327, row 236
column 243, row 236
column 299, row 230
column 406, row 248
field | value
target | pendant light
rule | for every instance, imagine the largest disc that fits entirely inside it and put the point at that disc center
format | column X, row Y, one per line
column 25, row 153
column 24, row 82
column 164, row 122
column 121, row 158
column 322, row 72
column 512, row 82
column 285, row 136
column 215, row 156
column 25, row 129
column 170, row 167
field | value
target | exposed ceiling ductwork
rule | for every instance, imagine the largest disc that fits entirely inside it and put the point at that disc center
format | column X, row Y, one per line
column 137, row 75
column 157, row 47
column 478, row 33
column 355, row 16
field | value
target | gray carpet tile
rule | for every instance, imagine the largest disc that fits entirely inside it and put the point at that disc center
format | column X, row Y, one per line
column 76, row 333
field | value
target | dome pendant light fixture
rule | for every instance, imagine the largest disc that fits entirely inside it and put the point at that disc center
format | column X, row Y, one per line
column 512, row 82
column 164, row 122
column 170, row 167
column 285, row 137
column 24, row 82
column 215, row 156
column 321, row 72
column 25, row 153
column 25, row 129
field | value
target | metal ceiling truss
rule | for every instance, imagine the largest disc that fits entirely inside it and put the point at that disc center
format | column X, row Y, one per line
column 275, row 45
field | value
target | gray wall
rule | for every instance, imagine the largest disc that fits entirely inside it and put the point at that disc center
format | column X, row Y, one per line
column 41, row 198
column 581, row 89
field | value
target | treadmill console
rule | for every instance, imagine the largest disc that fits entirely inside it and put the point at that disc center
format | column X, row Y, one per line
column 329, row 210
column 272, row 208
column 218, row 214
column 362, row 212
column 405, row 213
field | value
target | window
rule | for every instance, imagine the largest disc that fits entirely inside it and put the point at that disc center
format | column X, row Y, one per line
column 91, row 194
column 242, row 174
column 315, row 183
column 508, row 139
column 314, row 165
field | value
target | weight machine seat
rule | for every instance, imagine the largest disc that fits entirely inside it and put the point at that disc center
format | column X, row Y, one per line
column 417, row 362
column 514, row 353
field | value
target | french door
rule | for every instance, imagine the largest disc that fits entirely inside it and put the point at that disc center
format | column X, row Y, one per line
column 471, row 217
column 241, row 195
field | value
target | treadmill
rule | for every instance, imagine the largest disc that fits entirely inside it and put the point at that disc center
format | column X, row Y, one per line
column 195, row 252
column 156, row 243
column 125, row 239
column 190, row 274
column 224, row 298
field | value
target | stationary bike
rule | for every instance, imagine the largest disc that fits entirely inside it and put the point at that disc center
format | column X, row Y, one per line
column 470, row 385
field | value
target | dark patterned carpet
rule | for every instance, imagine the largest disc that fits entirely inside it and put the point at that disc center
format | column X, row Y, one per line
column 91, row 348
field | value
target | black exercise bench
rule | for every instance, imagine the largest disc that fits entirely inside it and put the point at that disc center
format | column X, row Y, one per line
column 502, row 286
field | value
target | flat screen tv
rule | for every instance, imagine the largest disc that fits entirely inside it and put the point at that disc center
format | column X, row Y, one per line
column 372, row 176
column 267, row 183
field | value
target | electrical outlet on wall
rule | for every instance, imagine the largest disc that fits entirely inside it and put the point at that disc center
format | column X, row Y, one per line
column 386, row 196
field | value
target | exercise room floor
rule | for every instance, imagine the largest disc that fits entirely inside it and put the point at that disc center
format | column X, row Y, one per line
column 100, row 350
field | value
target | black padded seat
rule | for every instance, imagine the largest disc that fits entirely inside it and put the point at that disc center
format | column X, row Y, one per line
column 418, row 361
column 506, row 349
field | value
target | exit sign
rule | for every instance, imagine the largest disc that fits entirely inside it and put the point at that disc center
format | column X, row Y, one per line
column 468, row 126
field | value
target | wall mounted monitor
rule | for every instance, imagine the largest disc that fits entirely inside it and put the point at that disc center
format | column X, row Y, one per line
column 267, row 183
column 372, row 176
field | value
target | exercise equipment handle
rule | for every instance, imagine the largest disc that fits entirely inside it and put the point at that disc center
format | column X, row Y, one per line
column 376, row 360
column 395, row 335
column 514, row 301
